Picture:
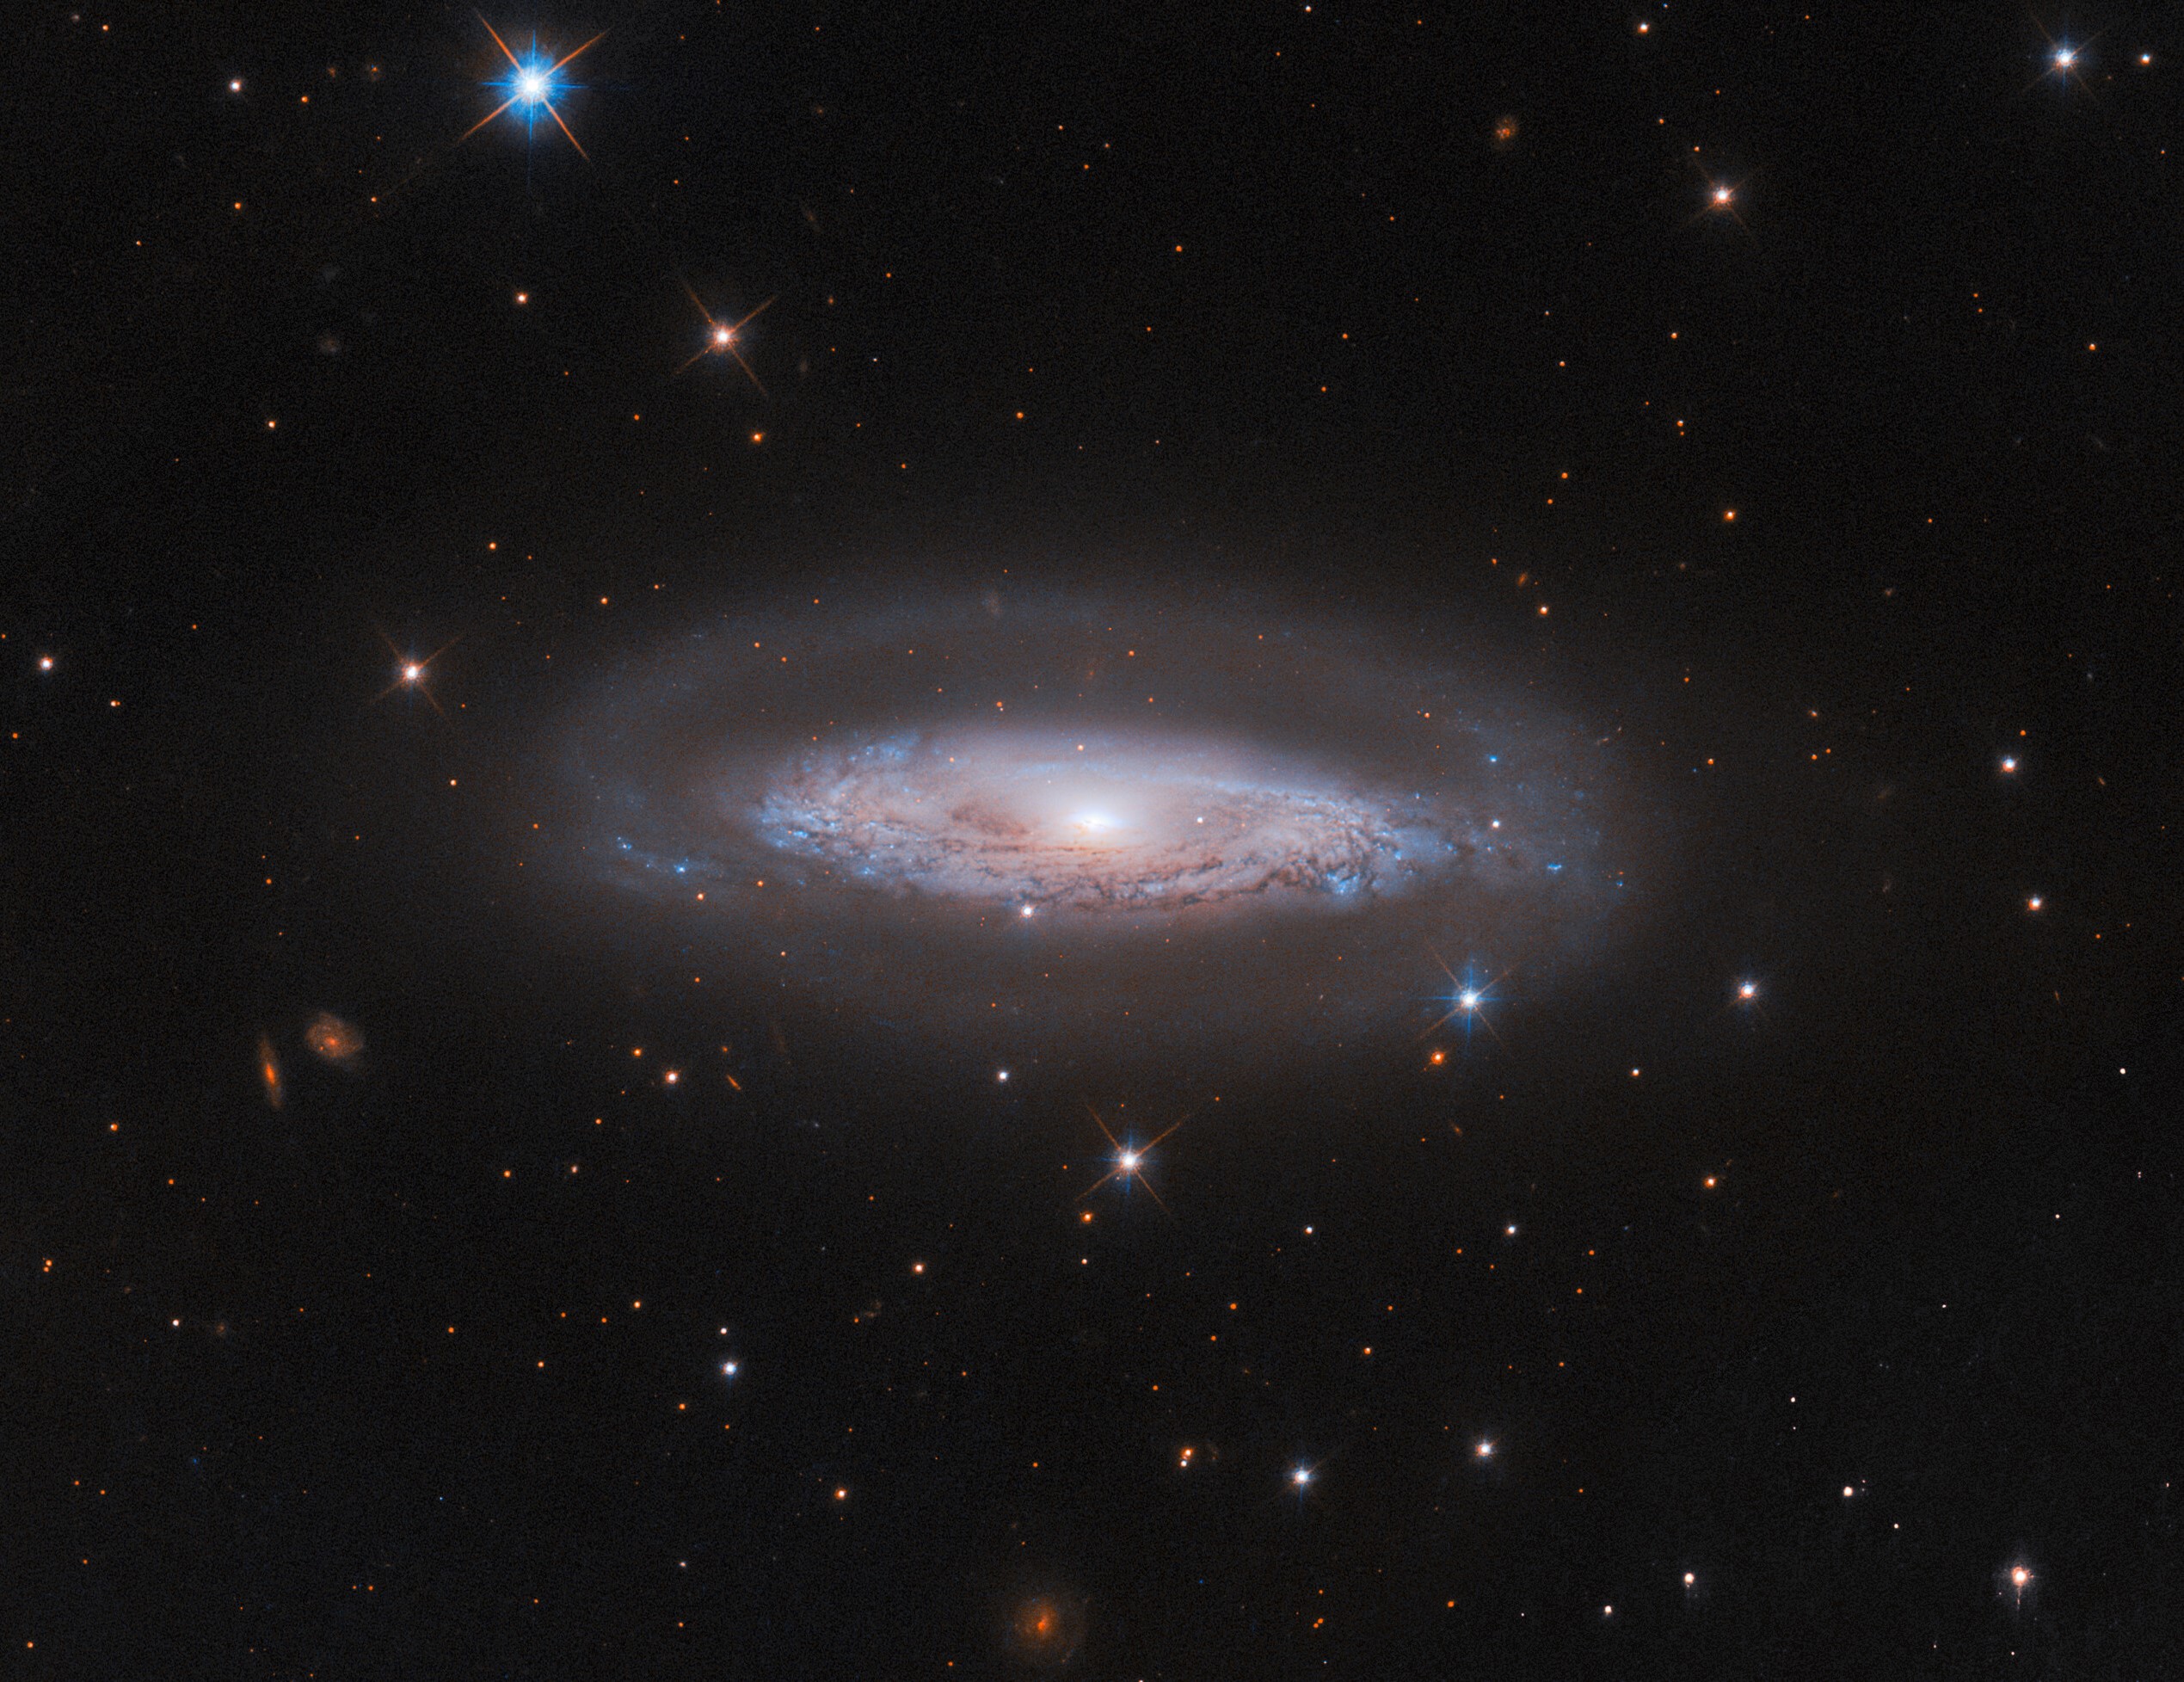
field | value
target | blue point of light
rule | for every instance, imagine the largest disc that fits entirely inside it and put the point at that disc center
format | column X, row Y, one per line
column 1468, row 1002
column 1470, row 992
column 532, row 84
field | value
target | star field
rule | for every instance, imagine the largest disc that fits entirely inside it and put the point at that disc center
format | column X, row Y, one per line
column 1147, row 843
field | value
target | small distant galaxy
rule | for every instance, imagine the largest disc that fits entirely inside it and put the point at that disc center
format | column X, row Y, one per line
column 333, row 1040
column 269, row 1075
column 1046, row 1629
column 1097, row 824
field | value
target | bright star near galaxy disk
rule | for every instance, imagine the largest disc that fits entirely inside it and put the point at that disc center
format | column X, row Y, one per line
column 1129, row 1158
column 1467, row 1003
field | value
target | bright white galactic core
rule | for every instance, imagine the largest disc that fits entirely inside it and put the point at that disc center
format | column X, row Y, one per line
column 1085, row 829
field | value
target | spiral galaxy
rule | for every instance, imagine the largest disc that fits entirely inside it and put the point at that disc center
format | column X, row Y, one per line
column 1155, row 822
column 1090, row 826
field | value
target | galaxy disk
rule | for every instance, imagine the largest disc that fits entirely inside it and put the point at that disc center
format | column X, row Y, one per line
column 1083, row 826
column 1157, row 821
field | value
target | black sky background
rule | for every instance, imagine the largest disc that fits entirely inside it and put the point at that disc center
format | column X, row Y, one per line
column 1931, row 362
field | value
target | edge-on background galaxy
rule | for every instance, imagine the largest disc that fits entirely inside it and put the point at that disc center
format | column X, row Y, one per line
column 1077, row 828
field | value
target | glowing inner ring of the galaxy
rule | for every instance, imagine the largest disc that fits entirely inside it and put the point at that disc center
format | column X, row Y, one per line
column 1159, row 820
